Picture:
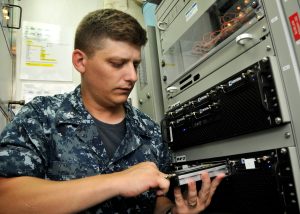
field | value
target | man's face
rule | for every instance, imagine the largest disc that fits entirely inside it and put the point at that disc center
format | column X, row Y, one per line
column 110, row 74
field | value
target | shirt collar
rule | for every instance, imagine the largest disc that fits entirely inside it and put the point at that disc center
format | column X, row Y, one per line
column 72, row 111
column 134, row 120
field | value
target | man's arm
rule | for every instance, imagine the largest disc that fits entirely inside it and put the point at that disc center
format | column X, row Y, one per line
column 35, row 195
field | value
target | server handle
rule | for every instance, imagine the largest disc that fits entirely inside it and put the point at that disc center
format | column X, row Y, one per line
column 242, row 39
column 162, row 25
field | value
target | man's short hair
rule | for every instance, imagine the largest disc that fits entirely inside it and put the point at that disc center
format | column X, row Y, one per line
column 108, row 23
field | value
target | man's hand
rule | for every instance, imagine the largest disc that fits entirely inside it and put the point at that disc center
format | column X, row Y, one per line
column 195, row 201
column 142, row 177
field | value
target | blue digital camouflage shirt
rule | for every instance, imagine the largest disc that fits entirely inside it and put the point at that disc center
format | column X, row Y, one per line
column 56, row 138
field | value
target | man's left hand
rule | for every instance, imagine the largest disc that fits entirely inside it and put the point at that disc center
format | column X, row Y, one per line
column 194, row 201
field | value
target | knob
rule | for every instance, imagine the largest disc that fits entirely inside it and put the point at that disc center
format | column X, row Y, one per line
column 278, row 120
column 148, row 95
column 165, row 78
column 254, row 4
column 283, row 151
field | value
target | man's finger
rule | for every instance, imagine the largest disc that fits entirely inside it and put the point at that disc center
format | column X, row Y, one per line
column 164, row 184
column 214, row 184
column 205, row 188
column 179, row 200
column 192, row 193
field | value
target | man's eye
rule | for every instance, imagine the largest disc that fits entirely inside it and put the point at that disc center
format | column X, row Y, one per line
column 117, row 64
column 136, row 65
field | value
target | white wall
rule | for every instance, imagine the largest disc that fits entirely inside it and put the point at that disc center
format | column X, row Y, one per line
column 67, row 14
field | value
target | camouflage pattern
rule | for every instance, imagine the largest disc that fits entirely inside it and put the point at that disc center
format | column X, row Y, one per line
column 56, row 138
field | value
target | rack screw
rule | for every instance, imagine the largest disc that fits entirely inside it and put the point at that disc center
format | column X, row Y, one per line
column 283, row 151
column 287, row 135
column 278, row 120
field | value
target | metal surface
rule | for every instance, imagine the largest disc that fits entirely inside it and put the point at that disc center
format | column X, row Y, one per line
column 149, row 85
column 273, row 33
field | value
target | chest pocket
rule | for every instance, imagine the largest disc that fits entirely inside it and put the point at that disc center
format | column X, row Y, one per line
column 144, row 152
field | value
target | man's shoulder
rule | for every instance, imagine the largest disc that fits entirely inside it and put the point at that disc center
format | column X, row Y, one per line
column 141, row 115
column 46, row 105
column 47, row 102
column 142, row 123
column 57, row 99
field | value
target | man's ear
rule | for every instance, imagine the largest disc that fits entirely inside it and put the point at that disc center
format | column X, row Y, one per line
column 79, row 60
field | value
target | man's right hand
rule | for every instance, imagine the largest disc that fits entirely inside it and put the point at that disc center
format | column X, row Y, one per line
column 142, row 177
column 35, row 195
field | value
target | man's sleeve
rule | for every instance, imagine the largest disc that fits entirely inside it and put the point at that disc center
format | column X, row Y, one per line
column 22, row 145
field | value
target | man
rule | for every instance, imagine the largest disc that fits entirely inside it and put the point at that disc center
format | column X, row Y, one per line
column 89, row 150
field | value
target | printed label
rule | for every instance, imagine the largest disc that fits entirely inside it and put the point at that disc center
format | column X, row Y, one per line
column 191, row 12
column 275, row 19
column 286, row 67
column 250, row 163
column 295, row 25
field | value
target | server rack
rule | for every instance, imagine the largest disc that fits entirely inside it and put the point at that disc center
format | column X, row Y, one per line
column 231, row 90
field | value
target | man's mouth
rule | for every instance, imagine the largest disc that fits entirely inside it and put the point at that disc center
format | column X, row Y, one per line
column 125, row 90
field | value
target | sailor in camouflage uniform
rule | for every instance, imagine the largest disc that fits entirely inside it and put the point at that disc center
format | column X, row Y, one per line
column 89, row 150
column 57, row 139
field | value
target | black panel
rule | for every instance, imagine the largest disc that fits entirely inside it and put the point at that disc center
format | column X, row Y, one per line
column 267, row 188
column 247, row 102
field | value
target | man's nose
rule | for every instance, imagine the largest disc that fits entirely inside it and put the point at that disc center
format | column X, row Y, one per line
column 131, row 74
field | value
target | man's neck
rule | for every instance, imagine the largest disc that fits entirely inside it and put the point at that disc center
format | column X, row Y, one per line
column 106, row 114
column 110, row 116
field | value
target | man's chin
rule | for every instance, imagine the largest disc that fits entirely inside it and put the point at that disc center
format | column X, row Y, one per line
column 121, row 100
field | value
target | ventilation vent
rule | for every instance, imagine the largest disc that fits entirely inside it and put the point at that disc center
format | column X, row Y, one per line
column 188, row 80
